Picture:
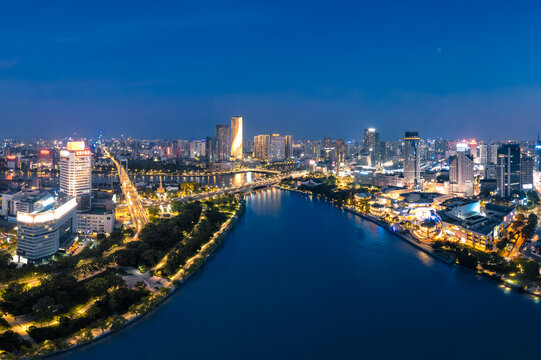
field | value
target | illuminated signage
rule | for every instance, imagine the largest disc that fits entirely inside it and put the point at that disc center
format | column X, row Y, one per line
column 11, row 157
column 44, row 152
column 76, row 145
column 82, row 153
column 462, row 147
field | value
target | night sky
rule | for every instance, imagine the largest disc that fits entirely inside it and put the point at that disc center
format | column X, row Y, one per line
column 159, row 69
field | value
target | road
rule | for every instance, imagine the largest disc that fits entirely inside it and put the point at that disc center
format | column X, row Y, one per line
column 137, row 212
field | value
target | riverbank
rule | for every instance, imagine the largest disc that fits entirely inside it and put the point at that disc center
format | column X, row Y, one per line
column 424, row 247
column 176, row 281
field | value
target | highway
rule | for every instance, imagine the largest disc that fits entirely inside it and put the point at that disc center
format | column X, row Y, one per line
column 137, row 212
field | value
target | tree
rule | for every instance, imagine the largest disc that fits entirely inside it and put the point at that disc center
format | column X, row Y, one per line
column 64, row 321
column 86, row 336
column 5, row 259
column 135, row 309
column 117, row 323
column 9, row 341
column 467, row 260
column 103, row 324
column 96, row 287
column 502, row 243
column 93, row 311
column 44, row 307
column 530, row 270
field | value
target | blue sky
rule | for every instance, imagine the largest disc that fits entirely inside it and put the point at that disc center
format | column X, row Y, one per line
column 309, row 68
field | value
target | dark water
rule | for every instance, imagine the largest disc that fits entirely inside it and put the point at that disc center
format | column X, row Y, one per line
column 300, row 279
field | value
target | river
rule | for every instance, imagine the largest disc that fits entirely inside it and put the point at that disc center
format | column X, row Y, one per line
column 222, row 180
column 298, row 278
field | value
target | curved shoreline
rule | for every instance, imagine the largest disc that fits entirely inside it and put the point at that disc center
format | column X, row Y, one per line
column 425, row 249
column 230, row 222
column 106, row 334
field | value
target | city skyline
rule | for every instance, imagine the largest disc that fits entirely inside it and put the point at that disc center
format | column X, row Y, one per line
column 281, row 180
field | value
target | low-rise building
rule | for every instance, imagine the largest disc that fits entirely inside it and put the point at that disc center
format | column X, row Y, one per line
column 472, row 225
column 100, row 219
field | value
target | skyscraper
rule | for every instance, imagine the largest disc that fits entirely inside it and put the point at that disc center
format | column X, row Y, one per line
column 210, row 150
column 277, row 147
column 289, row 146
column 482, row 154
column 538, row 154
column 508, row 177
column 236, row 137
column 340, row 153
column 76, row 174
column 412, row 166
column 371, row 138
column 492, row 154
column 372, row 145
column 461, row 174
column 262, row 147
column 223, row 142
column 527, row 165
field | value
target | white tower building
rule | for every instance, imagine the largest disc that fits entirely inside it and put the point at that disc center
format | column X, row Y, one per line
column 76, row 174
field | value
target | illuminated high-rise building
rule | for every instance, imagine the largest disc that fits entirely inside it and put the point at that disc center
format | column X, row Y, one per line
column 289, row 146
column 372, row 145
column 461, row 174
column 236, row 137
column 492, row 154
column 527, row 166
column 371, row 139
column 223, row 143
column 412, row 162
column 538, row 154
column 482, row 154
column 76, row 173
column 210, row 150
column 277, row 147
column 508, row 176
column 262, row 145
column 340, row 154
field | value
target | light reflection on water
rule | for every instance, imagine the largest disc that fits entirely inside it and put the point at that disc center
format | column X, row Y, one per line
column 299, row 279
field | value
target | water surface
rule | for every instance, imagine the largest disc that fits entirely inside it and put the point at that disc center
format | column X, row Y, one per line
column 300, row 279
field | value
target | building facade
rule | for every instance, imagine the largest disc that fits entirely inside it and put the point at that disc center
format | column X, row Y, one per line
column 236, row 137
column 41, row 232
column 262, row 147
column 412, row 165
column 223, row 143
column 372, row 145
column 76, row 174
column 277, row 147
column 508, row 171
column 461, row 174
column 289, row 146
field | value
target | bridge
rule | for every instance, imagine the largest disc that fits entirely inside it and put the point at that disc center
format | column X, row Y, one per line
column 137, row 212
column 233, row 189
